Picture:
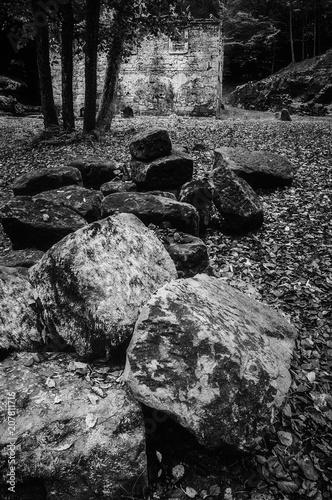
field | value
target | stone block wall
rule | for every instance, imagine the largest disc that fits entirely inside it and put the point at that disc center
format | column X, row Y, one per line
column 161, row 77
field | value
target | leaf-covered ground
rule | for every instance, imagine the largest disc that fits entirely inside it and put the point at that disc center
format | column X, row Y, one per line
column 286, row 264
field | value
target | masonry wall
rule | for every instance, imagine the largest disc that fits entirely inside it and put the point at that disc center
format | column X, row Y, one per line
column 157, row 81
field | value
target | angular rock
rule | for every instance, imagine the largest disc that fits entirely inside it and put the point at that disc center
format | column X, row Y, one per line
column 153, row 209
column 21, row 258
column 118, row 187
column 199, row 193
column 45, row 179
column 165, row 173
column 150, row 145
column 188, row 253
column 236, row 201
column 18, row 317
column 261, row 169
column 92, row 284
column 213, row 359
column 70, row 437
column 95, row 171
column 85, row 202
column 34, row 223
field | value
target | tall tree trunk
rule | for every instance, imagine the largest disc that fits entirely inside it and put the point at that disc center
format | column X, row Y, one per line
column 91, row 57
column 67, row 34
column 44, row 69
column 219, row 106
column 114, row 59
column 291, row 30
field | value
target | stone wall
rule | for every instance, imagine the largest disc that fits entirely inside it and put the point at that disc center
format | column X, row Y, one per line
column 161, row 77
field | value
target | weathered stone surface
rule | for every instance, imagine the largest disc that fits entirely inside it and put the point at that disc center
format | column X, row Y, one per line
column 150, row 145
column 285, row 116
column 85, row 202
column 164, row 173
column 188, row 253
column 21, row 258
column 199, row 193
column 80, row 445
column 45, row 179
column 261, row 169
column 95, row 171
column 118, row 187
column 212, row 358
column 18, row 318
column 153, row 209
column 236, row 201
column 30, row 222
column 165, row 194
column 92, row 284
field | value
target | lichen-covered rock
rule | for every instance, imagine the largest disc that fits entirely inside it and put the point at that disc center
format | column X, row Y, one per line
column 79, row 440
column 169, row 172
column 118, row 187
column 45, row 179
column 35, row 223
column 85, row 202
column 153, row 209
column 95, row 171
column 260, row 169
column 150, row 145
column 18, row 317
column 92, row 284
column 199, row 193
column 26, row 257
column 212, row 358
column 235, row 200
column 188, row 253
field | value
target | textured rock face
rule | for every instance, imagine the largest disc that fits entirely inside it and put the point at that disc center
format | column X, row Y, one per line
column 93, row 283
column 45, row 179
column 150, row 145
column 18, row 318
column 213, row 359
column 85, row 202
column 34, row 223
column 169, row 172
column 260, row 169
column 236, row 201
column 70, row 438
column 95, row 171
column 199, row 193
column 188, row 253
column 21, row 258
column 153, row 209
column 117, row 187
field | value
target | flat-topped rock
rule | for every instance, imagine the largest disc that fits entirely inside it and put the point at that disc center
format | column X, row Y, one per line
column 95, row 171
column 150, row 145
column 117, row 186
column 45, row 179
column 153, row 209
column 35, row 223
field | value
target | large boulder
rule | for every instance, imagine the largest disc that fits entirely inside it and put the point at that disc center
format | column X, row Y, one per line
column 85, row 202
column 77, row 439
column 199, row 193
column 95, row 171
column 213, row 359
column 153, row 209
column 45, row 179
column 235, row 200
column 261, row 169
column 169, row 172
column 26, row 257
column 30, row 222
column 92, row 284
column 150, row 145
column 18, row 317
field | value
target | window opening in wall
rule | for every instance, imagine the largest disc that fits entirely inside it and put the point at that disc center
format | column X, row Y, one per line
column 179, row 45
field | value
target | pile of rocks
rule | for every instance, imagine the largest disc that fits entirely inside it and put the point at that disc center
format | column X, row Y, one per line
column 211, row 358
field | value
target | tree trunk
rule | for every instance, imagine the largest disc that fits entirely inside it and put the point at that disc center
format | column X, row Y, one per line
column 67, row 33
column 291, row 30
column 91, row 57
column 114, row 59
column 219, row 106
column 44, row 69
